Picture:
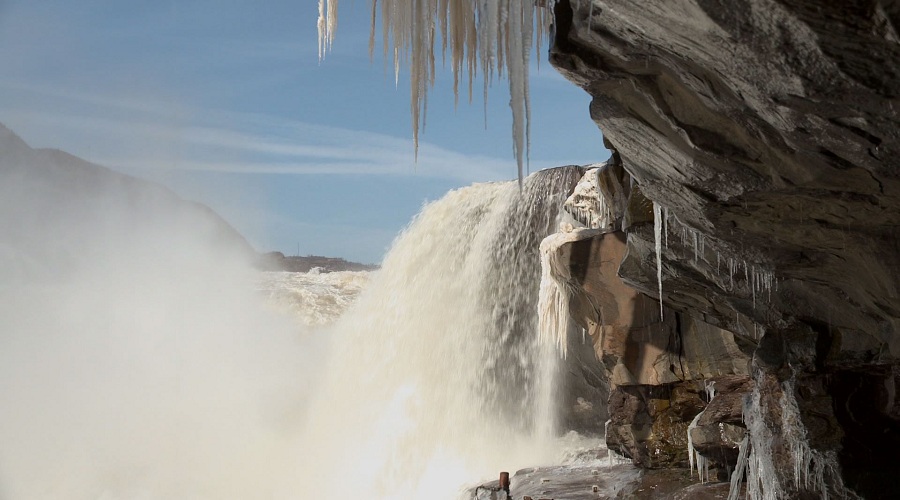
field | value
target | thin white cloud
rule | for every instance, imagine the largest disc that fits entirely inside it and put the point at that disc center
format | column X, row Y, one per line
column 36, row 91
column 147, row 137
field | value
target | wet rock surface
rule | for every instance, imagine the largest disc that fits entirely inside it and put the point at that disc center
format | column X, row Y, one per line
column 599, row 480
column 673, row 484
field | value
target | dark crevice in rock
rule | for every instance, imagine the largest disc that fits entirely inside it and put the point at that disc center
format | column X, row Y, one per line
column 862, row 405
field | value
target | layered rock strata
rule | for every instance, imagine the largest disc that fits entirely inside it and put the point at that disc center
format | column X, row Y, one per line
column 767, row 133
column 661, row 371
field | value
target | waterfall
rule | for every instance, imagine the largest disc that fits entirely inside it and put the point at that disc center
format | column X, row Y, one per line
column 439, row 376
column 171, row 371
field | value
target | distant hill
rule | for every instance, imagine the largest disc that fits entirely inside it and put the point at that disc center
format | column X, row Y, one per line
column 58, row 211
column 277, row 261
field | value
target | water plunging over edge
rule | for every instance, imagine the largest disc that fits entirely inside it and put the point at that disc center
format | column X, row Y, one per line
column 439, row 376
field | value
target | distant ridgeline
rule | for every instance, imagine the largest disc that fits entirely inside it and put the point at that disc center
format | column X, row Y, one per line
column 277, row 261
column 60, row 212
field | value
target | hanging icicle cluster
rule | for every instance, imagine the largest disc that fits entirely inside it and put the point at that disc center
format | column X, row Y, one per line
column 491, row 35
column 815, row 472
column 555, row 291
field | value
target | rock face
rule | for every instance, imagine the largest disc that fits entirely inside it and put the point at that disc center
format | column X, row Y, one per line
column 658, row 369
column 768, row 131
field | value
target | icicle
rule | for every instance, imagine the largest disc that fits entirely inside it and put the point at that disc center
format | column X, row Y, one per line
column 693, row 455
column 710, row 386
column 494, row 35
column 518, row 70
column 740, row 468
column 696, row 245
column 666, row 227
column 322, row 27
column 753, row 289
column 762, row 477
column 731, row 271
column 810, row 466
column 331, row 24
column 591, row 16
column 657, row 231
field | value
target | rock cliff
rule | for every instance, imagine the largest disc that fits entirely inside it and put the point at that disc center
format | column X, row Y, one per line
column 766, row 134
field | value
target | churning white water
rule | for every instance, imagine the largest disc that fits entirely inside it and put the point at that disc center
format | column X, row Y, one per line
column 157, row 371
column 315, row 298
column 438, row 376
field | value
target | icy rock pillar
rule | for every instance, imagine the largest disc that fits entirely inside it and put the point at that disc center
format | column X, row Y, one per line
column 553, row 299
column 587, row 213
column 740, row 469
column 781, row 463
column 693, row 455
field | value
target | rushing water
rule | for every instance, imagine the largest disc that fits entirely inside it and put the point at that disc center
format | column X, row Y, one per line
column 438, row 376
column 162, row 371
column 315, row 298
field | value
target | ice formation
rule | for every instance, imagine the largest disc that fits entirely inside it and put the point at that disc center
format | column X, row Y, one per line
column 812, row 470
column 759, row 282
column 657, row 234
column 588, row 209
column 553, row 301
column 555, row 292
column 587, row 204
column 740, row 469
column 693, row 455
column 762, row 477
column 710, row 387
column 494, row 36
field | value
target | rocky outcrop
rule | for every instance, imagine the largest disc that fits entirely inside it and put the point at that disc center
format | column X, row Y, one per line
column 660, row 370
column 768, row 133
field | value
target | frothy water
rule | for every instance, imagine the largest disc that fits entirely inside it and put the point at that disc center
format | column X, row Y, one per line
column 438, row 375
column 315, row 298
column 163, row 373
column 159, row 377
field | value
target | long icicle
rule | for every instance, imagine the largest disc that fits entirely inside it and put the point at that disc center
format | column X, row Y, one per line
column 494, row 36
column 657, row 232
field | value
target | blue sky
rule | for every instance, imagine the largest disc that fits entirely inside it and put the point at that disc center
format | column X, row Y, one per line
column 227, row 103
